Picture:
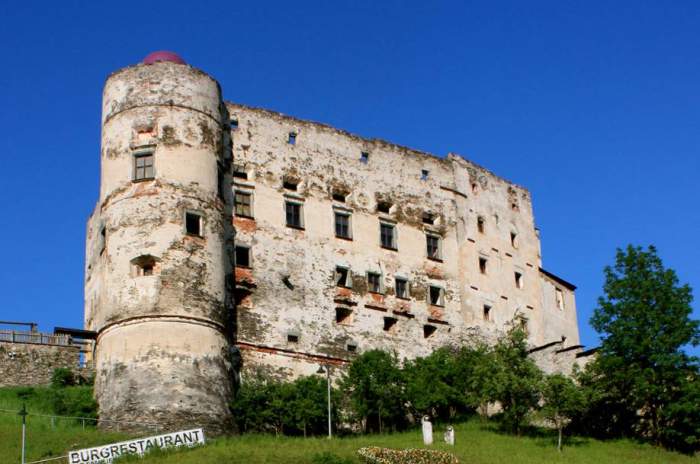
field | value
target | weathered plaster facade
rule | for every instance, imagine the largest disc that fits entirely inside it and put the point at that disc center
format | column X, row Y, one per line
column 172, row 309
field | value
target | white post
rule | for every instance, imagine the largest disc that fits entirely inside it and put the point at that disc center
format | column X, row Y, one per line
column 427, row 431
column 450, row 436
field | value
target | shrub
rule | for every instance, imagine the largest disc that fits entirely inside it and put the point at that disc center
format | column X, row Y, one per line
column 74, row 401
column 62, row 377
column 375, row 455
column 329, row 458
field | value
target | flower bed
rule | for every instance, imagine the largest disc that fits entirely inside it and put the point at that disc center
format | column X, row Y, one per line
column 375, row 455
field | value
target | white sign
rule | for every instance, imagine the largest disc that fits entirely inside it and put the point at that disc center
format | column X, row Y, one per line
column 106, row 453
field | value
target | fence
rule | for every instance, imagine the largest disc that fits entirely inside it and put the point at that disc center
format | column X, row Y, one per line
column 22, row 336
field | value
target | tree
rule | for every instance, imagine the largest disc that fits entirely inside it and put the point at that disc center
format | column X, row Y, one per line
column 309, row 404
column 516, row 379
column 375, row 390
column 563, row 400
column 430, row 385
column 474, row 377
column 644, row 322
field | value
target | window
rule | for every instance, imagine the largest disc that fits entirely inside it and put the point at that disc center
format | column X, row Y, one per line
column 193, row 224
column 428, row 330
column 233, row 123
column 351, row 347
column 143, row 166
column 480, row 222
column 437, row 296
column 144, row 266
column 514, row 239
column 290, row 184
column 387, row 235
column 292, row 140
column 342, row 225
column 339, row 196
column 482, row 265
column 560, row 298
column 103, row 239
column 401, row 288
column 433, row 246
column 294, row 214
column 242, row 256
column 364, row 157
column 428, row 218
column 243, row 204
column 518, row 280
column 487, row 312
column 374, row 282
column 475, row 187
column 389, row 323
column 424, row 174
column 342, row 315
column 383, row 207
column 343, row 277
column 239, row 173
column 292, row 337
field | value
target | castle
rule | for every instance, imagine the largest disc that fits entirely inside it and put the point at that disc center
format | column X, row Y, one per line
column 229, row 239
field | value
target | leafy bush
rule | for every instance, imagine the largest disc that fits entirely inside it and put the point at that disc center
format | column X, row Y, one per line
column 62, row 377
column 330, row 458
column 74, row 401
column 375, row 455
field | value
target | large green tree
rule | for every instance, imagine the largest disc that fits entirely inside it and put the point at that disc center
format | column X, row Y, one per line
column 642, row 371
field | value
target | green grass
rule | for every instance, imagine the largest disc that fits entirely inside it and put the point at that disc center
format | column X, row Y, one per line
column 476, row 444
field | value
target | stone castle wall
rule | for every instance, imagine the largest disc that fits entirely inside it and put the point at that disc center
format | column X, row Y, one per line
column 30, row 364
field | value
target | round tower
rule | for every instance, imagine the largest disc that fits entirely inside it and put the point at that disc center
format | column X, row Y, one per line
column 161, row 306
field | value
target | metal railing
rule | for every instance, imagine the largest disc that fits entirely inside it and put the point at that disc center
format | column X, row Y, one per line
column 21, row 336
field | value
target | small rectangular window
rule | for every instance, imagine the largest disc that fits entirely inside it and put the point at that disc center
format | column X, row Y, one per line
column 234, row 123
column 294, row 215
column 428, row 330
column 290, row 184
column 292, row 140
column 339, row 197
column 389, row 323
column 342, row 315
column 433, row 246
column 242, row 256
column 437, row 296
column 514, row 240
column 518, row 280
column 401, row 288
column 374, row 282
column 240, row 173
column 384, row 207
column 482, row 265
column 193, row 224
column 351, row 347
column 292, row 338
column 487, row 313
column 424, row 173
column 480, row 223
column 342, row 225
column 364, row 157
column 143, row 166
column 387, row 235
column 343, row 277
column 560, row 298
column 243, row 204
column 428, row 218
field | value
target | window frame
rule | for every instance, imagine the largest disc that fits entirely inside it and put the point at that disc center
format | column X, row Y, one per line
column 200, row 226
column 292, row 138
column 486, row 313
column 441, row 296
column 561, row 305
column 519, row 277
column 248, row 252
column 300, row 205
column 481, row 224
column 407, row 291
column 380, row 287
column 247, row 193
column 348, row 277
column 141, row 154
column 394, row 235
column 428, row 237
column 483, row 265
column 348, row 216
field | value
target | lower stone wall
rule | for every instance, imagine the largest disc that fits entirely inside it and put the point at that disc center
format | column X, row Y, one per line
column 29, row 364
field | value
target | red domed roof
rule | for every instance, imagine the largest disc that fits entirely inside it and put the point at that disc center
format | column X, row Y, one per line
column 163, row 55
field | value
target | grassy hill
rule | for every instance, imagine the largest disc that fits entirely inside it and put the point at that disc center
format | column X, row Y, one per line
column 476, row 444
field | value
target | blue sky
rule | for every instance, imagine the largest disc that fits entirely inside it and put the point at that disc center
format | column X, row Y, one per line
column 593, row 106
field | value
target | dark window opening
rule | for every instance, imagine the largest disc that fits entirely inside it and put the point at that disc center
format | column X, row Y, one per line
column 342, row 225
column 239, row 173
column 475, row 187
column 436, row 295
column 514, row 240
column 401, row 288
column 234, row 123
column 339, row 196
column 193, row 224
column 290, row 184
column 428, row 330
column 424, row 174
column 243, row 204
column 242, row 256
column 342, row 277
column 351, row 347
column 292, row 140
column 103, row 239
column 293, row 213
column 480, row 222
column 145, row 265
column 482, row 265
column 387, row 235
column 428, row 218
column 342, row 315
column 389, row 323
column 384, row 207
column 364, row 157
column 487, row 313
column 433, row 246
column 374, row 282
column 143, row 166
column 518, row 280
column 292, row 338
